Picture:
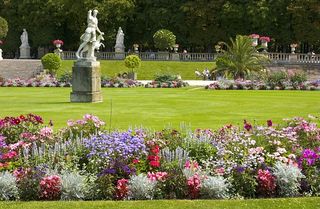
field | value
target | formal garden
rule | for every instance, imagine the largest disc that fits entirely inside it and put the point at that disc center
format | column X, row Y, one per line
column 201, row 111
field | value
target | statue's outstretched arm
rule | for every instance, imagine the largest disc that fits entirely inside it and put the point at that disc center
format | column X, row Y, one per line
column 99, row 31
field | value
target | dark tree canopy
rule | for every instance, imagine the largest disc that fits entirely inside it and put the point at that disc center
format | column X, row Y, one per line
column 197, row 24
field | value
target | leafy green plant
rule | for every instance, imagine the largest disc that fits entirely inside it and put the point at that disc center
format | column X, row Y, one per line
column 297, row 78
column 164, row 39
column 51, row 62
column 277, row 78
column 3, row 27
column 66, row 77
column 8, row 187
column 240, row 59
column 165, row 77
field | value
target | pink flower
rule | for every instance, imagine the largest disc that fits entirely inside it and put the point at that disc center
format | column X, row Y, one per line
column 220, row 171
column 265, row 38
column 46, row 132
column 158, row 176
column 55, row 42
column 50, row 187
column 269, row 123
column 122, row 189
column 254, row 35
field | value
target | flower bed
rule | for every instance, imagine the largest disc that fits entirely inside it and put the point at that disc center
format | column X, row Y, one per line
column 83, row 161
column 260, row 85
column 49, row 81
column 168, row 84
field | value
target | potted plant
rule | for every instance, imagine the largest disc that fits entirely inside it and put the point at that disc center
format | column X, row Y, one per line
column 264, row 42
column 132, row 62
column 255, row 38
column 58, row 43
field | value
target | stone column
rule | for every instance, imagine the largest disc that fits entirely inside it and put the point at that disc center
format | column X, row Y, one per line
column 25, row 52
column 86, row 82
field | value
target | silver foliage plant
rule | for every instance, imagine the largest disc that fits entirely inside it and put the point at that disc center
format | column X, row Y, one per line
column 141, row 188
column 215, row 187
column 179, row 155
column 8, row 187
column 288, row 179
column 73, row 186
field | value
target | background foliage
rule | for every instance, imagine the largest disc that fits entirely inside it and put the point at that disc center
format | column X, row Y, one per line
column 197, row 24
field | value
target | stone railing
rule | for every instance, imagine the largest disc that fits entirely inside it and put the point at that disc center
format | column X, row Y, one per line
column 287, row 58
column 156, row 56
column 281, row 58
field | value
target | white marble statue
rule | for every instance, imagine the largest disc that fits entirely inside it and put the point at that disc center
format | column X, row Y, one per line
column 120, row 39
column 24, row 39
column 89, row 39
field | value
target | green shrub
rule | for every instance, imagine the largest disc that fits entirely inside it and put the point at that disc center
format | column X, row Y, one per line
column 3, row 27
column 164, row 39
column 51, row 62
column 132, row 62
column 165, row 78
column 298, row 78
column 66, row 77
column 277, row 78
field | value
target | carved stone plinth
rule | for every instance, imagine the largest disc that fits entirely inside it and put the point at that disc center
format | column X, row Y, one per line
column 86, row 82
column 25, row 52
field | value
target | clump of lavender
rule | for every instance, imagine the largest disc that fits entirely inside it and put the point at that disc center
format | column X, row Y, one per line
column 124, row 145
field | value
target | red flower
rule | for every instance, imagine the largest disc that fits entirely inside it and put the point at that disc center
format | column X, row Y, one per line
column 22, row 117
column 247, row 125
column 269, row 123
column 136, row 161
column 154, row 164
column 16, row 121
column 155, row 150
column 153, row 158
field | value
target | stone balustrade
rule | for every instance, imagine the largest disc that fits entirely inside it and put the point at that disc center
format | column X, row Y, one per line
column 281, row 58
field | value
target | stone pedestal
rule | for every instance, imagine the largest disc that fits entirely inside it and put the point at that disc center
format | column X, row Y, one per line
column 175, row 56
column 293, row 57
column 25, row 52
column 120, row 54
column 86, row 82
column 1, row 54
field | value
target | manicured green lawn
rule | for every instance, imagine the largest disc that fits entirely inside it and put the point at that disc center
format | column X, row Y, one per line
column 149, row 69
column 289, row 203
column 157, row 108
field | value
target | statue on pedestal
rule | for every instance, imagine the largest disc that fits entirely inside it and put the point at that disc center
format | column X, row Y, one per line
column 120, row 39
column 25, row 47
column 90, row 41
column 24, row 39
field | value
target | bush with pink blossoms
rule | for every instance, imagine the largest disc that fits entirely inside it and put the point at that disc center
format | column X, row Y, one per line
column 266, row 183
column 122, row 189
column 50, row 188
column 84, row 127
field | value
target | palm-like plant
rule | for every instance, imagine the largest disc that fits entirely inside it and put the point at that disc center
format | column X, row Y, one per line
column 240, row 59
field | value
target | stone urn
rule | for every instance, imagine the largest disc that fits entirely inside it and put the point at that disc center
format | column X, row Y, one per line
column 58, row 43
column 293, row 48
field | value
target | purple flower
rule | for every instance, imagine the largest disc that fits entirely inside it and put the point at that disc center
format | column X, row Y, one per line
column 309, row 156
column 123, row 145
